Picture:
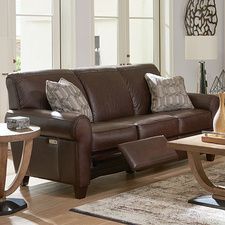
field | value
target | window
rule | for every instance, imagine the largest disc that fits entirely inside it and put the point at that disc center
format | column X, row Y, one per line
column 166, row 33
column 106, row 32
column 126, row 31
column 37, row 34
column 143, row 34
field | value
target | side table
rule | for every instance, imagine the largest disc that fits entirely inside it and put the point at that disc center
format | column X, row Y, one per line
column 12, row 205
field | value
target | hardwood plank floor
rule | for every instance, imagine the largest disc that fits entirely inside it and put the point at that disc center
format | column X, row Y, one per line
column 49, row 202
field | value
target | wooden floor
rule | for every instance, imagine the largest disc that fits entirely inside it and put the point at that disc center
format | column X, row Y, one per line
column 49, row 202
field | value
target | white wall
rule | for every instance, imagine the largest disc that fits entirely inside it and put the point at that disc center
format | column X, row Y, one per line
column 189, row 69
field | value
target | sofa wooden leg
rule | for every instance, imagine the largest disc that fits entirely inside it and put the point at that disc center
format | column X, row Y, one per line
column 210, row 157
column 129, row 171
column 80, row 192
column 25, row 181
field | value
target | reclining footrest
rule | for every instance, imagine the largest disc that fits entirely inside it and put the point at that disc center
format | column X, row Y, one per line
column 142, row 154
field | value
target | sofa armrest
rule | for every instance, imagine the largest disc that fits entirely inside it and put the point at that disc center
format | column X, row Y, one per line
column 64, row 125
column 207, row 102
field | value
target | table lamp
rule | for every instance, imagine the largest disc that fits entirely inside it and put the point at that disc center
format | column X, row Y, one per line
column 201, row 48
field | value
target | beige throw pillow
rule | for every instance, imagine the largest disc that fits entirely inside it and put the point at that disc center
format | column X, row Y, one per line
column 63, row 96
column 167, row 93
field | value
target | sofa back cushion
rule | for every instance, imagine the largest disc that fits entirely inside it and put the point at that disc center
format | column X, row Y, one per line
column 134, row 77
column 27, row 90
column 108, row 95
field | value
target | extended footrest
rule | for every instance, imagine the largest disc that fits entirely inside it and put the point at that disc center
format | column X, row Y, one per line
column 142, row 154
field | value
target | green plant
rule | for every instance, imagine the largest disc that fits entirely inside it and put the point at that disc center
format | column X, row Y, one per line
column 18, row 63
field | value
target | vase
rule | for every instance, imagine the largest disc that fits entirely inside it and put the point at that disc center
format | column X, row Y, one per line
column 219, row 119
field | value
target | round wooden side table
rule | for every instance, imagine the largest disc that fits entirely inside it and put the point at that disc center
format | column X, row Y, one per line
column 12, row 205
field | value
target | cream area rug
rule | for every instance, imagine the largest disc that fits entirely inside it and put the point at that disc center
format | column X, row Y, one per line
column 160, row 203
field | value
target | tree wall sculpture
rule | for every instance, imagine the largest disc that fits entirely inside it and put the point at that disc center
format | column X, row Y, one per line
column 201, row 17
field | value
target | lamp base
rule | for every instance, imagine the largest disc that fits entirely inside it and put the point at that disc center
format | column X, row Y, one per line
column 203, row 80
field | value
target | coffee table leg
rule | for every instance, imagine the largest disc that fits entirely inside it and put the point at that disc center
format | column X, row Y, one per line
column 218, row 192
column 12, row 205
column 3, row 166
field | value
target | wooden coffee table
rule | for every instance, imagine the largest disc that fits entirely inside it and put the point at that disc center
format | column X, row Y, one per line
column 194, row 147
column 11, row 205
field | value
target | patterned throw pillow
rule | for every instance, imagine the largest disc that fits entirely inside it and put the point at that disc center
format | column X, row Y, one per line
column 63, row 96
column 167, row 93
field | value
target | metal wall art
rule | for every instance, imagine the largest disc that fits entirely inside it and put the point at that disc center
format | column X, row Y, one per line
column 201, row 17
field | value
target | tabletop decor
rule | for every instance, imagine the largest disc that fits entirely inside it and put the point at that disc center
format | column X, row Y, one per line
column 18, row 122
column 219, row 118
column 213, row 137
column 218, row 84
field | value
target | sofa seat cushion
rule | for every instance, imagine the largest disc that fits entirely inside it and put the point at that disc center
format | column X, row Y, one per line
column 157, row 124
column 192, row 120
column 152, row 125
column 107, row 135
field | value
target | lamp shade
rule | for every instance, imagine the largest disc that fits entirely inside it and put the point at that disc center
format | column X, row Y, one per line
column 200, row 47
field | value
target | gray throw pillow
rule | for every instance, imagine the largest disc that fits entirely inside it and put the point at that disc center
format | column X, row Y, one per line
column 63, row 96
column 167, row 94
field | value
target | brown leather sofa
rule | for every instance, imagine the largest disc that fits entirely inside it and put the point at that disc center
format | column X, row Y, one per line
column 71, row 149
